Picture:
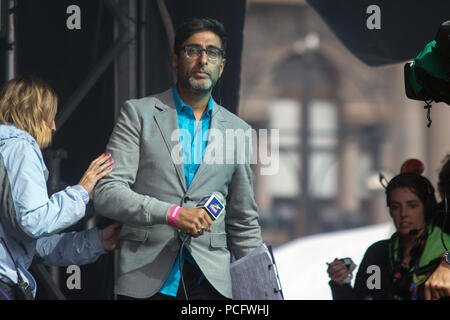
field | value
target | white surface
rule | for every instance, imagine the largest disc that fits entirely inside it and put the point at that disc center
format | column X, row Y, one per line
column 302, row 263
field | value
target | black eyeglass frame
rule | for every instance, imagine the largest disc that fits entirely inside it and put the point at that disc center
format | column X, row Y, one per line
column 222, row 52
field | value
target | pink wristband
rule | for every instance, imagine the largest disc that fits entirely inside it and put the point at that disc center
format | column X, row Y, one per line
column 173, row 216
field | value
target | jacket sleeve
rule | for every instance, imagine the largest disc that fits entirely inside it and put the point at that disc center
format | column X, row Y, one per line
column 347, row 292
column 341, row 292
column 360, row 290
column 242, row 226
column 36, row 213
column 74, row 248
column 113, row 195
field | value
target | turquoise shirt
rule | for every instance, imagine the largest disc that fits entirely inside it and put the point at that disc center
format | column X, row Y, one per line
column 193, row 144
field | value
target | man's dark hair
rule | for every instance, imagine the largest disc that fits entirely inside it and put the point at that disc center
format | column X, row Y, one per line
column 193, row 25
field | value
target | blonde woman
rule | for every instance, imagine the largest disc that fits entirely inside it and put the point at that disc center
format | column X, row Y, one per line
column 29, row 219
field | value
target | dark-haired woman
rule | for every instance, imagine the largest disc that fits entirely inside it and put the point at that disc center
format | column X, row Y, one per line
column 397, row 268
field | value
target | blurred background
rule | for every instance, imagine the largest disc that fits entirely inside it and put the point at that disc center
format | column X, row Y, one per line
column 315, row 71
column 341, row 122
column 335, row 89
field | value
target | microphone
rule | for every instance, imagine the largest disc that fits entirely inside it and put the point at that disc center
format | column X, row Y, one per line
column 212, row 204
column 414, row 232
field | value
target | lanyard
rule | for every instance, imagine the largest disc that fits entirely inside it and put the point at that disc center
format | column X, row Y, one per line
column 415, row 269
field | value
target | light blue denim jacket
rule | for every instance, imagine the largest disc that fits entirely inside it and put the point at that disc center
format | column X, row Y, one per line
column 38, row 218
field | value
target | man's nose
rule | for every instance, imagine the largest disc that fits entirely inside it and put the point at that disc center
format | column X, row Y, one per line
column 203, row 59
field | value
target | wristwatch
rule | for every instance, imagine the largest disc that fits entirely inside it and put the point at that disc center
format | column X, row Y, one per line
column 446, row 257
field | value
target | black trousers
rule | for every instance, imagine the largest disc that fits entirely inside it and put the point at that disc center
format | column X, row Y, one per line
column 197, row 287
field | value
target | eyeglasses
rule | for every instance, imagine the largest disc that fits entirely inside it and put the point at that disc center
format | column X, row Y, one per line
column 195, row 51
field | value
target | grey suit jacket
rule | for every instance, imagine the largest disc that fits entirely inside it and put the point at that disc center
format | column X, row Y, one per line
column 147, row 180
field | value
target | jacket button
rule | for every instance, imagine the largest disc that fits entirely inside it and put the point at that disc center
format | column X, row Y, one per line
column 187, row 199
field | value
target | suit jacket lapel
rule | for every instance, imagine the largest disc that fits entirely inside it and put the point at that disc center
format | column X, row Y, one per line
column 217, row 123
column 167, row 122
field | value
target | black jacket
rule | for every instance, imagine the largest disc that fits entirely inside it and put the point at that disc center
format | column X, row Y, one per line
column 376, row 255
column 375, row 280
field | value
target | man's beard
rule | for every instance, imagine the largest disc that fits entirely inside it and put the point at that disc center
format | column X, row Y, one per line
column 200, row 88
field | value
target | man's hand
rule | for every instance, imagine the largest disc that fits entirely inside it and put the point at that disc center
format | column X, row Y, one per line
column 193, row 220
column 110, row 236
column 438, row 284
column 337, row 271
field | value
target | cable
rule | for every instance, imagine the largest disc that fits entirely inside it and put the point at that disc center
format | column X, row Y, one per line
column 383, row 181
column 428, row 108
column 203, row 203
column 180, row 255
column 219, row 85
column 445, row 218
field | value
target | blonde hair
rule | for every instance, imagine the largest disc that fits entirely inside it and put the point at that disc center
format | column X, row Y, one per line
column 29, row 104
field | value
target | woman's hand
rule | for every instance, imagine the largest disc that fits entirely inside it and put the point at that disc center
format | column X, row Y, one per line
column 337, row 271
column 99, row 168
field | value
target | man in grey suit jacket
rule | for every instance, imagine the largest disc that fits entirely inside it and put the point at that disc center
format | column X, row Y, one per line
column 153, row 143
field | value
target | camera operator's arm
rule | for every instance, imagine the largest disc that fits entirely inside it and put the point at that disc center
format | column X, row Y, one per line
column 438, row 284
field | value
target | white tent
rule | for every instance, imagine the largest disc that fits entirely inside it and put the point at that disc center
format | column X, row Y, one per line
column 302, row 263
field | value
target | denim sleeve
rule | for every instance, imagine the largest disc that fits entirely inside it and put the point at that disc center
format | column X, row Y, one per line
column 73, row 248
column 36, row 213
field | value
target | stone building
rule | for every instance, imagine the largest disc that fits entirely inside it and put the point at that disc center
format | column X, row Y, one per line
column 340, row 123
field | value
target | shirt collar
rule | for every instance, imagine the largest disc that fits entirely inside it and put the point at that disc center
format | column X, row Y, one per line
column 180, row 105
